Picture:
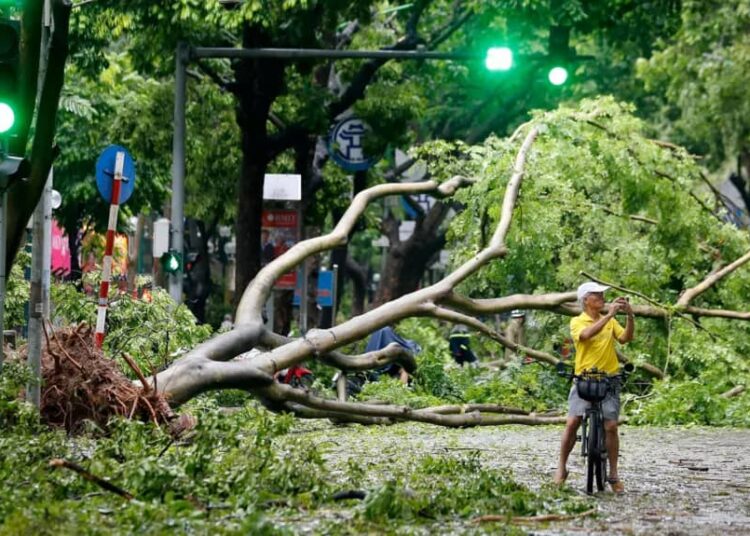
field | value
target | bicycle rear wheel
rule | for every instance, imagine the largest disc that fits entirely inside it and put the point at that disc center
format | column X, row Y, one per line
column 601, row 471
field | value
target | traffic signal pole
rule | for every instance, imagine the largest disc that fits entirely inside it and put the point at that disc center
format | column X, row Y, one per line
column 178, row 167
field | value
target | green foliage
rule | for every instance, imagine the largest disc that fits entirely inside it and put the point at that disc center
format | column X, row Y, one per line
column 14, row 411
column 153, row 333
column 391, row 390
column 457, row 486
column 434, row 362
column 232, row 464
column 16, row 292
column 532, row 387
column 702, row 72
column 691, row 402
column 248, row 472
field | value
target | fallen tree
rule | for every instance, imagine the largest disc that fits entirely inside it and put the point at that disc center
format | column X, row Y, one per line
column 480, row 248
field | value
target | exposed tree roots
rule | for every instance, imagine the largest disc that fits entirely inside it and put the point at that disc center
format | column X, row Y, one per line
column 80, row 384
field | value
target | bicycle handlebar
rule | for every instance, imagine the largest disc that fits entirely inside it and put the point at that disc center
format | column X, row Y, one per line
column 626, row 370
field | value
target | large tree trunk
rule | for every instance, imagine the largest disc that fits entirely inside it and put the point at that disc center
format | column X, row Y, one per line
column 259, row 83
column 340, row 254
column 407, row 261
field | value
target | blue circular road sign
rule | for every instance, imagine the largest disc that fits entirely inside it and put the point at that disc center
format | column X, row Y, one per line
column 345, row 145
column 105, row 173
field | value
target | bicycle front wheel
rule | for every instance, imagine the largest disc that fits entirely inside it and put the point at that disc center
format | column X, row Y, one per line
column 592, row 454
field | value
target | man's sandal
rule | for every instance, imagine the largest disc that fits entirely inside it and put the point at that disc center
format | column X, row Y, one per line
column 617, row 486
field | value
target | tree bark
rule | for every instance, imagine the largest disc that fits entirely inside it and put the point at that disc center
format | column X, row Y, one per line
column 259, row 83
column 407, row 261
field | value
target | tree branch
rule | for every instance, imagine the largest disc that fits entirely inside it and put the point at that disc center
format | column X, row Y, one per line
column 257, row 291
column 710, row 281
column 393, row 353
column 226, row 85
column 458, row 318
column 282, row 392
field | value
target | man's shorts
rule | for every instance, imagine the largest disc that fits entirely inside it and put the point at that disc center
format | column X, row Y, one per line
column 610, row 405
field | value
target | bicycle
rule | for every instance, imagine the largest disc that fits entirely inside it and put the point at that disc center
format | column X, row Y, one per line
column 593, row 386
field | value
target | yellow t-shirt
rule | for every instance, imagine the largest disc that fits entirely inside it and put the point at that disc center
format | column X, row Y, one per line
column 599, row 350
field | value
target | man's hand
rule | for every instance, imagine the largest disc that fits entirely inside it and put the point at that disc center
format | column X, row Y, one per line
column 621, row 305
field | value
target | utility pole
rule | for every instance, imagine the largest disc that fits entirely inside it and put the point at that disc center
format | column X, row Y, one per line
column 39, row 300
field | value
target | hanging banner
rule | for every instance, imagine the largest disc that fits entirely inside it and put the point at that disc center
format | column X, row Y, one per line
column 279, row 232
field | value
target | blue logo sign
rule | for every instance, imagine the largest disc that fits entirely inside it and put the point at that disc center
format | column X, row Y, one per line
column 105, row 174
column 345, row 145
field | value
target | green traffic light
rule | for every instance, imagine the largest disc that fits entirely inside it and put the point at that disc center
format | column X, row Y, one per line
column 7, row 117
column 171, row 262
column 498, row 59
column 558, row 76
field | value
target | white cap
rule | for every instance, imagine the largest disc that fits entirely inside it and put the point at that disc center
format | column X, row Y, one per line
column 589, row 287
column 517, row 313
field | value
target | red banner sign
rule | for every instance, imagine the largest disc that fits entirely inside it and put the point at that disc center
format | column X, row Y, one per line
column 279, row 232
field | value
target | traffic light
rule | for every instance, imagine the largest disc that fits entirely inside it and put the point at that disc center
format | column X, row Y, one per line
column 557, row 75
column 560, row 54
column 10, row 36
column 191, row 260
column 498, row 59
column 171, row 262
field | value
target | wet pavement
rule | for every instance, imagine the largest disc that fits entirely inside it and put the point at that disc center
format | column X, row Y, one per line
column 679, row 481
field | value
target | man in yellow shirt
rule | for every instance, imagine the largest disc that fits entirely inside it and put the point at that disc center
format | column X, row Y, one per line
column 594, row 335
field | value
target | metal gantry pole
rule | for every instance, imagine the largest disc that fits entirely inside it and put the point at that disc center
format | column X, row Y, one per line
column 178, row 166
column 331, row 54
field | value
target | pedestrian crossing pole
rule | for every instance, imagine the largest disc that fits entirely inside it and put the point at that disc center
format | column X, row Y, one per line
column 114, row 208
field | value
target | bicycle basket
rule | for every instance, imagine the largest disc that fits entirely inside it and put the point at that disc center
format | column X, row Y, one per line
column 592, row 390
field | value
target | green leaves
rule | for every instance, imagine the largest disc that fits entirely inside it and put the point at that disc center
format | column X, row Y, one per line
column 152, row 332
column 703, row 73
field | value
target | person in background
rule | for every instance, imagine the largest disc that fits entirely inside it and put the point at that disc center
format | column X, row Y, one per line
column 460, row 346
column 515, row 333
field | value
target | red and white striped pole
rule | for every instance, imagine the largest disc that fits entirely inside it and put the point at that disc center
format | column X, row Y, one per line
column 114, row 208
